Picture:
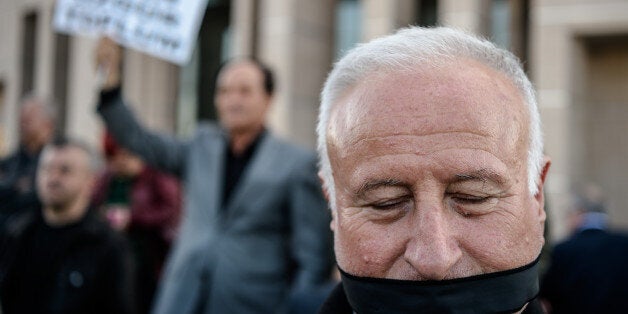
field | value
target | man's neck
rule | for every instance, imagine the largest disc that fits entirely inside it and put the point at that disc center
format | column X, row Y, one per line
column 240, row 141
column 62, row 216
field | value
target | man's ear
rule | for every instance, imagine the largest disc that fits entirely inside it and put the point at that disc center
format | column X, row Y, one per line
column 323, row 186
column 269, row 101
column 326, row 194
column 540, row 196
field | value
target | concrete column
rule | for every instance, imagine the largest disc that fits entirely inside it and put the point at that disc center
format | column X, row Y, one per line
column 295, row 39
column 45, row 49
column 383, row 17
column 470, row 15
column 150, row 86
column 244, row 23
column 10, row 74
column 82, row 121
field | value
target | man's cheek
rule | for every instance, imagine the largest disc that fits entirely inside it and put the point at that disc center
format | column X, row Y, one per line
column 504, row 246
column 367, row 254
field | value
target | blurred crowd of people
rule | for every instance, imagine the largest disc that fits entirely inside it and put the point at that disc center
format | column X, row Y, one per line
column 81, row 238
column 68, row 222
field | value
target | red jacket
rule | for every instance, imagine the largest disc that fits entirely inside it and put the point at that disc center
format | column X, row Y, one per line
column 155, row 201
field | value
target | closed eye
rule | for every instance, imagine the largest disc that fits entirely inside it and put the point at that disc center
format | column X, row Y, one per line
column 472, row 205
column 397, row 203
column 470, row 199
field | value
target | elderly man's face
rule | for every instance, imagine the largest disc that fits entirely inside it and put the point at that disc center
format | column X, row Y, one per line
column 430, row 175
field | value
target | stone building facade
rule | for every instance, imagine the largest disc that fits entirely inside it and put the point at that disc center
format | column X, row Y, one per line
column 576, row 52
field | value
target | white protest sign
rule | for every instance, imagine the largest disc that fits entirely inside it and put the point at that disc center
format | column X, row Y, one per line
column 166, row 29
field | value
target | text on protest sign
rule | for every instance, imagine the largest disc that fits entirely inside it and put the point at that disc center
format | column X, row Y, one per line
column 164, row 28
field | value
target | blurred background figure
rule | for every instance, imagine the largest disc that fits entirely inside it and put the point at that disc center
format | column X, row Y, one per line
column 17, row 171
column 588, row 272
column 60, row 258
column 143, row 204
column 256, row 227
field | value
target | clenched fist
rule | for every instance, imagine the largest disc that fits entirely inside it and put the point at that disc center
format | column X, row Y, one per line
column 108, row 63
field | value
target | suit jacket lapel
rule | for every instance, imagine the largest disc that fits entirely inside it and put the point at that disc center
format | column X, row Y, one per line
column 214, row 172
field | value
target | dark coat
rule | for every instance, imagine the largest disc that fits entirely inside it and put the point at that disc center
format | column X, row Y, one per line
column 155, row 205
column 92, row 272
column 588, row 274
column 17, row 183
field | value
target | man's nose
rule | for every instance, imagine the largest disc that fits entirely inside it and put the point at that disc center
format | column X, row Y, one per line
column 52, row 179
column 232, row 95
column 53, row 174
column 433, row 249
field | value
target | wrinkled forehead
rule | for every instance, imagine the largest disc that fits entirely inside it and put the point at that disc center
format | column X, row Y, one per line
column 462, row 96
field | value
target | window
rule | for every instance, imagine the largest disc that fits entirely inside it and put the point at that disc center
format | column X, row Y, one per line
column 29, row 48
column 348, row 21
column 427, row 13
column 197, row 78
column 509, row 25
column 60, row 79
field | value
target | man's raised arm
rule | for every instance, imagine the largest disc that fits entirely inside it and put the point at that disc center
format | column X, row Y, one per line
column 161, row 151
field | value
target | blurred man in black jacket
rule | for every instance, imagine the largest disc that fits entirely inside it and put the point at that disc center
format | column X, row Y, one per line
column 58, row 257
column 589, row 271
column 17, row 171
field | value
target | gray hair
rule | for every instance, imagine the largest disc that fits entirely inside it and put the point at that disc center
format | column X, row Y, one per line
column 47, row 104
column 403, row 51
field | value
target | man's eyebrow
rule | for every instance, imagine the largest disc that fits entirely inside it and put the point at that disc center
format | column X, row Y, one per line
column 374, row 184
column 482, row 175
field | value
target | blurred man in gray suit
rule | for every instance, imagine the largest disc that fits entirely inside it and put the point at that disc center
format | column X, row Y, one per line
column 255, row 224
